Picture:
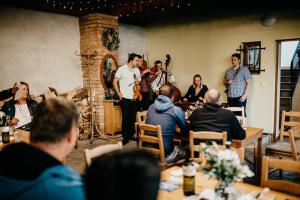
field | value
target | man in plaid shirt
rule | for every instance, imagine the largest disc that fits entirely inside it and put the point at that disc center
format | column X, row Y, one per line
column 237, row 80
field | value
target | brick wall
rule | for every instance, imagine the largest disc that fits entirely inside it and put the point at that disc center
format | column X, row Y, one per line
column 91, row 29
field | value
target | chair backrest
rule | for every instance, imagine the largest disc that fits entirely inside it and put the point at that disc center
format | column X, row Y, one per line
column 241, row 118
column 204, row 135
column 293, row 145
column 280, row 185
column 141, row 117
column 100, row 150
column 152, row 139
column 288, row 123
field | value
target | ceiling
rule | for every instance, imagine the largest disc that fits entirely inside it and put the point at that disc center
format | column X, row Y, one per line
column 149, row 12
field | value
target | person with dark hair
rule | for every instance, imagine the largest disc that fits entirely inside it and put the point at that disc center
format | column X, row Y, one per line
column 20, row 109
column 35, row 170
column 237, row 81
column 119, row 172
column 159, row 80
column 126, row 76
column 196, row 91
column 212, row 117
column 164, row 113
column 146, row 81
column 5, row 94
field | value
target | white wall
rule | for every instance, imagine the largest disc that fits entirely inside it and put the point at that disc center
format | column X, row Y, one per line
column 38, row 47
column 132, row 40
column 205, row 47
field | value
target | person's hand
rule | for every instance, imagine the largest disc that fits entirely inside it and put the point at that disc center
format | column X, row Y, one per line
column 243, row 98
column 13, row 122
column 146, row 71
column 15, row 88
column 230, row 82
column 184, row 99
column 120, row 96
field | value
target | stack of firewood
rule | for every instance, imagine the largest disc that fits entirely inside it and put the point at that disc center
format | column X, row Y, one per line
column 80, row 97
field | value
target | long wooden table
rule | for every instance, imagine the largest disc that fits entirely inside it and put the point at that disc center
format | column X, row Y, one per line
column 202, row 183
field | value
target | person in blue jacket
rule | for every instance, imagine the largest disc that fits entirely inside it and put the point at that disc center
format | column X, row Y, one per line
column 35, row 170
column 164, row 113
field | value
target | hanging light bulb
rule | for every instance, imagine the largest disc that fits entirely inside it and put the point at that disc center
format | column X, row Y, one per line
column 268, row 19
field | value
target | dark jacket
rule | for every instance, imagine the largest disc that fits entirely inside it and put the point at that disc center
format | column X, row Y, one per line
column 191, row 93
column 27, row 172
column 10, row 110
column 164, row 113
column 214, row 118
column 5, row 94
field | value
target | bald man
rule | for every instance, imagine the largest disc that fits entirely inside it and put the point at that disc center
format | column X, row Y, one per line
column 212, row 117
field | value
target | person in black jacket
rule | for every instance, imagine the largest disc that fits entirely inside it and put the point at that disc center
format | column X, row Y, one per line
column 196, row 91
column 212, row 117
column 20, row 109
column 5, row 94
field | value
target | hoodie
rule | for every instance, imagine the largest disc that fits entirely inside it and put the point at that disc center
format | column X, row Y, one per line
column 27, row 172
column 164, row 113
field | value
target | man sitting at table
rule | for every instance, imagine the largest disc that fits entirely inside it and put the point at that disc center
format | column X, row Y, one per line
column 212, row 117
column 35, row 171
column 164, row 113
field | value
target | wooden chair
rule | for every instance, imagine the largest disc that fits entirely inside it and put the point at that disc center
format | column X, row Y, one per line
column 241, row 118
column 154, row 140
column 100, row 150
column 140, row 119
column 290, row 149
column 204, row 135
column 283, row 186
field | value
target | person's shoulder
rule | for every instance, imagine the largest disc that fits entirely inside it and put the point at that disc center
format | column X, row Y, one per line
column 205, row 87
column 62, row 173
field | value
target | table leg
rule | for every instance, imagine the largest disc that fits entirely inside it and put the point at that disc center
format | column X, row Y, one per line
column 259, row 157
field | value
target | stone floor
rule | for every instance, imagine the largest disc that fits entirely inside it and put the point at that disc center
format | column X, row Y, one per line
column 76, row 158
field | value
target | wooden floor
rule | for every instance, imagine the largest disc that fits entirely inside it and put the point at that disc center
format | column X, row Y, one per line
column 76, row 159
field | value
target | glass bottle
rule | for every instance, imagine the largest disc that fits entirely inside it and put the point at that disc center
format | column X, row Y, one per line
column 189, row 172
column 5, row 131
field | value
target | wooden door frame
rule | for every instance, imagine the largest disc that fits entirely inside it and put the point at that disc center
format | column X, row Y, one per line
column 278, row 42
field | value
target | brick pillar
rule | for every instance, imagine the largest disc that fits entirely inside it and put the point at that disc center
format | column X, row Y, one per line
column 91, row 29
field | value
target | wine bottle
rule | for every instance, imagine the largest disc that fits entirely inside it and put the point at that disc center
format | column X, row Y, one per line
column 5, row 131
column 189, row 172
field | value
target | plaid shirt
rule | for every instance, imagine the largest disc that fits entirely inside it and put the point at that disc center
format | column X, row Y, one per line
column 240, row 76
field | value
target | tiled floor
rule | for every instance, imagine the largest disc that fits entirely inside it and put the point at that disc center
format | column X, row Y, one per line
column 77, row 160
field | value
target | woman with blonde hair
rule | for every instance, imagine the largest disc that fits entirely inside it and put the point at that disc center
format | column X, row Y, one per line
column 196, row 91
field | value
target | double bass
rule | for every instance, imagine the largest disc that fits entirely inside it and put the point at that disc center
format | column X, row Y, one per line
column 176, row 91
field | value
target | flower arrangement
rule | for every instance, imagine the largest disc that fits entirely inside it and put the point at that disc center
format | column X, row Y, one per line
column 225, row 166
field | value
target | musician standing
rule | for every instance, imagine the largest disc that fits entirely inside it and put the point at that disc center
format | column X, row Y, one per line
column 125, row 75
column 237, row 80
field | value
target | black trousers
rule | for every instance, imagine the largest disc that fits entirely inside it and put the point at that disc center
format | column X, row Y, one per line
column 145, row 101
column 235, row 102
column 128, row 108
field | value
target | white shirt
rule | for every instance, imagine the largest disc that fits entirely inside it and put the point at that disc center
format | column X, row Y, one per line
column 22, row 114
column 126, row 77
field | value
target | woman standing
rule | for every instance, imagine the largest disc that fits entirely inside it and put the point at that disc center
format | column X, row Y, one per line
column 196, row 91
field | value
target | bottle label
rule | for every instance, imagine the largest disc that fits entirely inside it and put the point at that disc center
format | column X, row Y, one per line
column 189, row 170
column 4, row 129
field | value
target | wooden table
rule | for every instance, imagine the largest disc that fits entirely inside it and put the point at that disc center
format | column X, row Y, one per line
column 20, row 135
column 252, row 135
column 202, row 182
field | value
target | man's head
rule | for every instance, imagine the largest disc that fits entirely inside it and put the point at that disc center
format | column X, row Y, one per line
column 133, row 60
column 140, row 61
column 158, row 64
column 212, row 96
column 112, row 171
column 166, row 90
column 55, row 122
column 235, row 59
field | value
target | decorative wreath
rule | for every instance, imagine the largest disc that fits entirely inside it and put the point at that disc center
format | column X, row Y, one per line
column 110, row 39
